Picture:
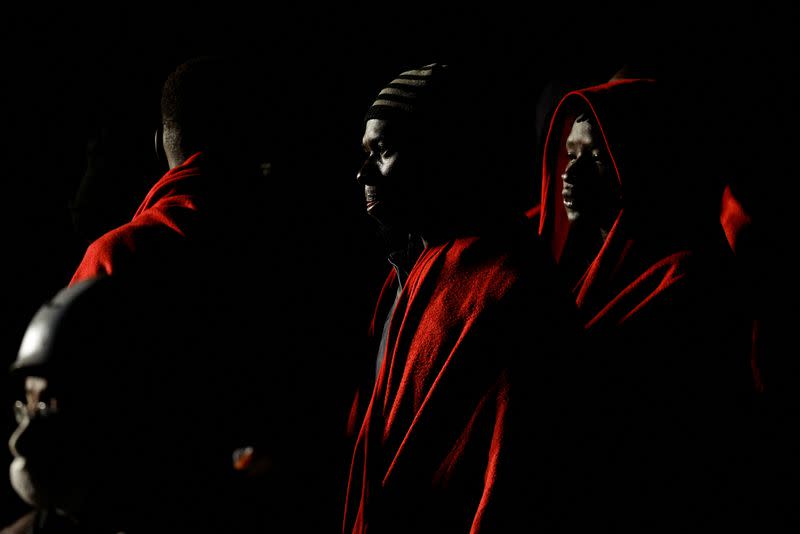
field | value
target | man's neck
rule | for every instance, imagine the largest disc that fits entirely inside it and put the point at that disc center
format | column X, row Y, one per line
column 403, row 258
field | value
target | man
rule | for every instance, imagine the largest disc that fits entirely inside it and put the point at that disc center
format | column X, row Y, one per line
column 93, row 450
column 211, row 139
column 195, row 240
column 636, row 233
column 468, row 328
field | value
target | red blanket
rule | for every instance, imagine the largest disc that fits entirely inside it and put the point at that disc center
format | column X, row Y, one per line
column 471, row 339
column 665, row 265
column 669, row 341
column 170, row 214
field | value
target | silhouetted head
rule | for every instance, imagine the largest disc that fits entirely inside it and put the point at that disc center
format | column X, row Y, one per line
column 211, row 104
column 93, row 440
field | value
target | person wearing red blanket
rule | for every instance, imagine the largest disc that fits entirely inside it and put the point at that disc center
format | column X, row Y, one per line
column 197, row 242
column 205, row 198
column 193, row 245
column 635, row 228
column 469, row 329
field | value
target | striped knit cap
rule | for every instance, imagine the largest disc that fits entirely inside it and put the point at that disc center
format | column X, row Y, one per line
column 411, row 94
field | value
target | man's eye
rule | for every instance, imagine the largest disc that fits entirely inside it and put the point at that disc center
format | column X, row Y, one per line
column 571, row 156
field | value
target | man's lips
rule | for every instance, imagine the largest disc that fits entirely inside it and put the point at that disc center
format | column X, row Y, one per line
column 372, row 197
column 568, row 197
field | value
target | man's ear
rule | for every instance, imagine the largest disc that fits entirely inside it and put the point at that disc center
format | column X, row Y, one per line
column 161, row 155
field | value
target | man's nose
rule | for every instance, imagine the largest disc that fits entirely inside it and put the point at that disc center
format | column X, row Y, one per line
column 17, row 441
column 575, row 171
column 366, row 174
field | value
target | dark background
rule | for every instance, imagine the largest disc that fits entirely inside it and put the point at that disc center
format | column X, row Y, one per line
column 70, row 77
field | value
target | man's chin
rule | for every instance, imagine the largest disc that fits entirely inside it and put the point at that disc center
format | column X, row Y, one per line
column 42, row 489
column 376, row 210
column 25, row 484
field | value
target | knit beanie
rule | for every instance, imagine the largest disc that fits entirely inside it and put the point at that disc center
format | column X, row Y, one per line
column 412, row 94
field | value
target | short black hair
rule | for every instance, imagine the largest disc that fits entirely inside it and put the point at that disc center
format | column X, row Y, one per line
column 584, row 117
column 212, row 101
column 194, row 89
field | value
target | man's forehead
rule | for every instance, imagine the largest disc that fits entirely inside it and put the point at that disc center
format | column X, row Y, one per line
column 380, row 129
column 582, row 131
column 376, row 126
column 35, row 384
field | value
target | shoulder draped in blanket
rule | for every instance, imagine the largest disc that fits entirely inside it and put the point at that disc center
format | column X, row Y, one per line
column 211, row 246
column 173, row 215
column 451, row 432
column 183, row 247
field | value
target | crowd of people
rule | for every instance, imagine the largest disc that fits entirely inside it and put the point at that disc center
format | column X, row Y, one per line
column 604, row 354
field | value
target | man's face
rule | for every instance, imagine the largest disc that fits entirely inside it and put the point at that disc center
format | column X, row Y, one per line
column 87, row 458
column 590, row 189
column 386, row 174
column 42, row 471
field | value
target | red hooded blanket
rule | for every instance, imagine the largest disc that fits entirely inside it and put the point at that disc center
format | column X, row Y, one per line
column 668, row 362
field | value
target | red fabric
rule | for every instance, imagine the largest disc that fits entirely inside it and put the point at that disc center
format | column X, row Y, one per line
column 733, row 217
column 244, row 346
column 663, row 235
column 170, row 213
column 667, row 336
column 435, row 451
column 737, row 223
